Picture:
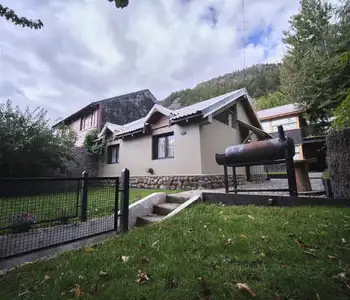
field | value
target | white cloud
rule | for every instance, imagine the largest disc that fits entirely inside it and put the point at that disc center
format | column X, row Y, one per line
column 88, row 50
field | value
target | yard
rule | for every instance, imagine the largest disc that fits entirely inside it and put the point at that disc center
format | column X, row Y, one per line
column 203, row 253
column 46, row 207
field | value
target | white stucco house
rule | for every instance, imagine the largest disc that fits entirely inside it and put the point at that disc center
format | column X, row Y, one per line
column 176, row 148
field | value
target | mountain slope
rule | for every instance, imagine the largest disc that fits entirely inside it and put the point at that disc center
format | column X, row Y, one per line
column 260, row 80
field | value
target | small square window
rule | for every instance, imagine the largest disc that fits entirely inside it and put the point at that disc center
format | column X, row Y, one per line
column 113, row 154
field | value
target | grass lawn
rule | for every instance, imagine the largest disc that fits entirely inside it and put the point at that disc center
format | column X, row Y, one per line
column 46, row 207
column 280, row 253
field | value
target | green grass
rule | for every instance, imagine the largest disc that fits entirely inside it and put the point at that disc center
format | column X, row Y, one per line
column 46, row 207
column 221, row 245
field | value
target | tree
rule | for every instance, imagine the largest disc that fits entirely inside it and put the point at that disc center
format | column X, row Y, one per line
column 9, row 14
column 342, row 113
column 312, row 73
column 29, row 147
column 271, row 100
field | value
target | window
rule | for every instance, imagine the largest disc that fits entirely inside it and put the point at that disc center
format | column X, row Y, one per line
column 86, row 122
column 113, row 154
column 287, row 123
column 163, row 146
column 297, row 152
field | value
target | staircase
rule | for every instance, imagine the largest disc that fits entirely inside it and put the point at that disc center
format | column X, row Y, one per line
column 161, row 210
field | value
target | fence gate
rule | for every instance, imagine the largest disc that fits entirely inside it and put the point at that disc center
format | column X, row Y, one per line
column 37, row 213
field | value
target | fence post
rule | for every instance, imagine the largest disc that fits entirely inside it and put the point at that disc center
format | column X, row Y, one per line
column 124, row 200
column 84, row 197
column 116, row 204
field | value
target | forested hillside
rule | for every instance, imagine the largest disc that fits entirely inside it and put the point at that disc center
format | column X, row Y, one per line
column 260, row 80
column 314, row 72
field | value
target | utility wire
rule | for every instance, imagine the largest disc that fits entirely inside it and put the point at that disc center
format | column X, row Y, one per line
column 244, row 40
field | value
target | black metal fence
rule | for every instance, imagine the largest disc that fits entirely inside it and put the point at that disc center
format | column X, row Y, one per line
column 55, row 211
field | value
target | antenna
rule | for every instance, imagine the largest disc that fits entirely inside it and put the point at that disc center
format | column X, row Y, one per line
column 244, row 40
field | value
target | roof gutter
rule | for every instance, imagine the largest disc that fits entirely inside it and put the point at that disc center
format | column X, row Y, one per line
column 186, row 118
column 131, row 133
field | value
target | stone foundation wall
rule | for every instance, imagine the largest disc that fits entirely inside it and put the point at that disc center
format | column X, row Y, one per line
column 190, row 182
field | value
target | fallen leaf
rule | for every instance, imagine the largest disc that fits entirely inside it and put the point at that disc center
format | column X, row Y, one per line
column 23, row 293
column 89, row 250
column 278, row 297
column 81, row 277
column 309, row 253
column 343, row 241
column 228, row 242
column 332, row 257
column 102, row 273
column 143, row 246
column 46, row 277
column 343, row 278
column 318, row 296
column 77, row 291
column 125, row 258
column 243, row 236
column 264, row 237
column 155, row 243
column 251, row 217
column 284, row 266
column 142, row 277
column 205, row 226
column 301, row 244
column 244, row 286
column 145, row 260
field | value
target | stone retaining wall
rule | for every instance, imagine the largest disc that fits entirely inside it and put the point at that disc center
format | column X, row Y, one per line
column 190, row 182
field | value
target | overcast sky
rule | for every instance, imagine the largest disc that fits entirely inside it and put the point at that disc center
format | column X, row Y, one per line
column 88, row 50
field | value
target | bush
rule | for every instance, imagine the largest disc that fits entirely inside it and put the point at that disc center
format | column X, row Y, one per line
column 92, row 145
column 29, row 146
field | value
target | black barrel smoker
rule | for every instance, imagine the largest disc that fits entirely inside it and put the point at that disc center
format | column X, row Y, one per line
column 267, row 152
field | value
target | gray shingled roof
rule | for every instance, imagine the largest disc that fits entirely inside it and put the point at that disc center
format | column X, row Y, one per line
column 279, row 110
column 205, row 108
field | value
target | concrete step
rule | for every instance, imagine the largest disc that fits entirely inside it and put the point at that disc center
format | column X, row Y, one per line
column 176, row 199
column 148, row 219
column 165, row 208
